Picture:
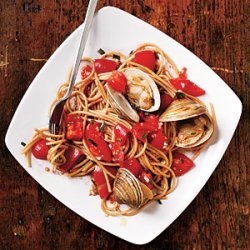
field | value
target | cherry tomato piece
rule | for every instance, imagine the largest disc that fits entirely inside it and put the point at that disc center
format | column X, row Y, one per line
column 100, row 180
column 73, row 156
column 141, row 130
column 74, row 127
column 86, row 70
column 96, row 143
column 145, row 58
column 158, row 139
column 146, row 178
column 40, row 149
column 104, row 65
column 121, row 133
column 151, row 123
column 166, row 99
column 118, row 81
column 117, row 152
column 133, row 166
column 187, row 86
column 181, row 163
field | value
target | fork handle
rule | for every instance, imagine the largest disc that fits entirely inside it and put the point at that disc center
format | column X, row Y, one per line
column 87, row 24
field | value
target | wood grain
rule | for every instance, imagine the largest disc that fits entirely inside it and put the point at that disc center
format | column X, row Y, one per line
column 216, row 31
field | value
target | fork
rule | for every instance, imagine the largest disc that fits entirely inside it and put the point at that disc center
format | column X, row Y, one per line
column 55, row 118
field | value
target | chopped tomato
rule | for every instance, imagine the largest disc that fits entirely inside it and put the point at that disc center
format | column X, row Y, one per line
column 141, row 130
column 118, row 81
column 158, row 139
column 181, row 163
column 100, row 180
column 74, row 127
column 40, row 149
column 133, row 166
column 166, row 99
column 86, row 70
column 73, row 156
column 145, row 58
column 96, row 143
column 104, row 65
column 121, row 133
column 187, row 86
column 117, row 152
column 146, row 178
column 151, row 123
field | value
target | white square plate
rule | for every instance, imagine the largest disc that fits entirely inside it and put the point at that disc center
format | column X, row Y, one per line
column 114, row 29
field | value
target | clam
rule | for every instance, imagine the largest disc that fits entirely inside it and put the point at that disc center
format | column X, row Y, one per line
column 129, row 190
column 181, row 109
column 121, row 105
column 194, row 125
column 193, row 132
column 141, row 93
column 142, row 90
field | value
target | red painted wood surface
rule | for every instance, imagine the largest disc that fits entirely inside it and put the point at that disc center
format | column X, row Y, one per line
column 216, row 31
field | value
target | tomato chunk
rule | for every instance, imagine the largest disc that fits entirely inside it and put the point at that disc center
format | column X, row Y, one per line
column 181, row 163
column 187, row 86
column 73, row 156
column 141, row 130
column 118, row 81
column 96, row 143
column 104, row 65
column 121, row 133
column 86, row 70
column 117, row 152
column 74, row 127
column 100, row 180
column 146, row 178
column 145, row 58
column 40, row 149
column 166, row 99
column 158, row 139
column 133, row 166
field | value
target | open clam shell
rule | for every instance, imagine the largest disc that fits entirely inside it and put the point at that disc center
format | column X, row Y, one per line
column 194, row 132
column 142, row 90
column 129, row 190
column 182, row 109
column 121, row 105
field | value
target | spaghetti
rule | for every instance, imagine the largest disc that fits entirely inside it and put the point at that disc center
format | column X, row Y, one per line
column 99, row 137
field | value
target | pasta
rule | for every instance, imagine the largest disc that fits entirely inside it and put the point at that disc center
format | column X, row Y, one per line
column 118, row 117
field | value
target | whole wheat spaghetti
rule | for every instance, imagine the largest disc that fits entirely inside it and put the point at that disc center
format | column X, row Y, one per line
column 125, row 124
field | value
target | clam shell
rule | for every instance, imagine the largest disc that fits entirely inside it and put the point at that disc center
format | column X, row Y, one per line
column 154, row 89
column 182, row 109
column 121, row 105
column 129, row 190
column 188, row 128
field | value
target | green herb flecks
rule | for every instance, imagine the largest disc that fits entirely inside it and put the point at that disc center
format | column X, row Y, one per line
column 102, row 127
column 179, row 95
column 144, row 136
column 101, row 51
column 117, row 57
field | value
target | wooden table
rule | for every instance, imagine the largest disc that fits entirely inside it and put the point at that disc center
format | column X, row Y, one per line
column 216, row 31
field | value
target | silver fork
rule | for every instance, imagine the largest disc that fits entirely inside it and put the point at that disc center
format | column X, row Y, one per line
column 55, row 118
